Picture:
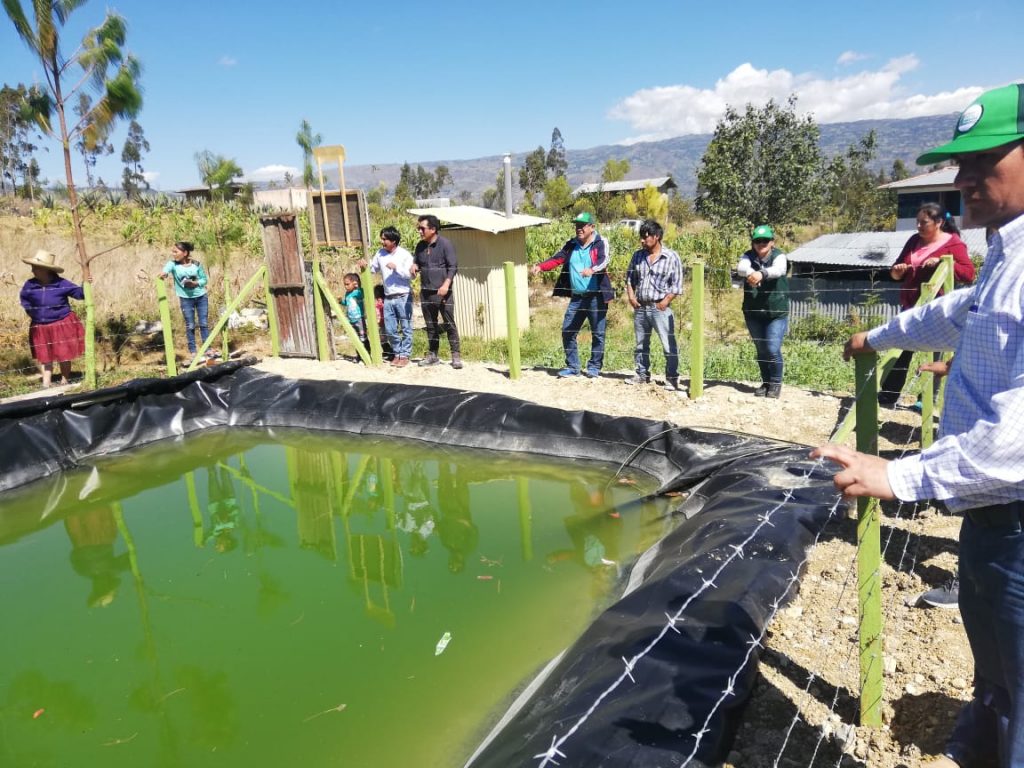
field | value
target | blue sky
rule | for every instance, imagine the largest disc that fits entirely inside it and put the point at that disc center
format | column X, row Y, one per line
column 399, row 81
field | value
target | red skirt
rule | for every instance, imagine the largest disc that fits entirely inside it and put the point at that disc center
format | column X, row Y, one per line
column 57, row 342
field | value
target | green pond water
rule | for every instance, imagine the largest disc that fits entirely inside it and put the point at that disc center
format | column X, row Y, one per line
column 245, row 600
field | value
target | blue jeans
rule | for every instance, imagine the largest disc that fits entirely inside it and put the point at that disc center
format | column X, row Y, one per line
column 648, row 318
column 990, row 727
column 767, row 334
column 398, row 312
column 592, row 308
column 196, row 307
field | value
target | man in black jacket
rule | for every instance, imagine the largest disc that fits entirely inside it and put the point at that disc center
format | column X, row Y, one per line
column 436, row 264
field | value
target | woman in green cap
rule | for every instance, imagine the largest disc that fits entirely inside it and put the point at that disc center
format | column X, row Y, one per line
column 765, row 305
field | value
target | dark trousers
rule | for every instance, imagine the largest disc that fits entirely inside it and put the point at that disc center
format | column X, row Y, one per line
column 990, row 728
column 891, row 386
column 435, row 306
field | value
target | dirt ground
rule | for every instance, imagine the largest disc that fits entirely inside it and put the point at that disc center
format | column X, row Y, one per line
column 805, row 707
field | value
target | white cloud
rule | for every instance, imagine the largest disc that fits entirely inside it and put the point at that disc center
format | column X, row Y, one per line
column 150, row 176
column 271, row 173
column 677, row 110
column 227, row 61
column 849, row 57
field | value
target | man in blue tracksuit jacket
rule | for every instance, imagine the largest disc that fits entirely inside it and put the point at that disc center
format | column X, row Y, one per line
column 584, row 279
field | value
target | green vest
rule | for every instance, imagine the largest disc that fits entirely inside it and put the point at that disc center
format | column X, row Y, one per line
column 770, row 298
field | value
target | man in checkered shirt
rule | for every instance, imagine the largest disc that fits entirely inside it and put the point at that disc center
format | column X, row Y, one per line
column 976, row 467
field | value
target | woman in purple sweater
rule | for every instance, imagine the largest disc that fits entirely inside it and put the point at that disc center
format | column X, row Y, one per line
column 56, row 334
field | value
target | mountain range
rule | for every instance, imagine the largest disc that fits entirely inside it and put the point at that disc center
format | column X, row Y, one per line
column 677, row 157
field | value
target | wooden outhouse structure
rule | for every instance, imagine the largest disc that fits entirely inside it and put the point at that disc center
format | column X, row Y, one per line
column 484, row 240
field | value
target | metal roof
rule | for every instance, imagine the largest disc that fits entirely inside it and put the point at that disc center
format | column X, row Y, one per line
column 940, row 178
column 484, row 219
column 624, row 186
column 865, row 250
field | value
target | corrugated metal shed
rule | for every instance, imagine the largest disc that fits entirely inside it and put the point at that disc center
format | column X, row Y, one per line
column 869, row 250
column 484, row 240
column 661, row 183
column 941, row 178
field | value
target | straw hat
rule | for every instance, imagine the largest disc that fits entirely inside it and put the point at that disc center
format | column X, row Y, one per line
column 46, row 260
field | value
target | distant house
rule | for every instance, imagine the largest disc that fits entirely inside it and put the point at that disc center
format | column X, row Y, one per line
column 933, row 187
column 661, row 183
column 203, row 193
column 846, row 276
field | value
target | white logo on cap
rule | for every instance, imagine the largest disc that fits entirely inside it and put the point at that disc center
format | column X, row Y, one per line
column 969, row 118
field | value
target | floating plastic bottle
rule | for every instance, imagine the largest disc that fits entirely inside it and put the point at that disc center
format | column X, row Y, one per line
column 443, row 643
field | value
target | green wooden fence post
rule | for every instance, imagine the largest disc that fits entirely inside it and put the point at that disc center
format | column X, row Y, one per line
column 927, row 408
column 869, row 550
column 370, row 316
column 512, row 313
column 90, row 337
column 322, row 350
column 346, row 326
column 697, row 330
column 165, row 324
column 223, row 319
column 227, row 300
column 275, row 337
column 949, row 285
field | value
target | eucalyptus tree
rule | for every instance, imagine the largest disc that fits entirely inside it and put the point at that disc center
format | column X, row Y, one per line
column 99, row 63
column 133, row 179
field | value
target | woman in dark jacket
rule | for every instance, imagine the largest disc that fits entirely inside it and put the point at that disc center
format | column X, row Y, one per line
column 766, row 305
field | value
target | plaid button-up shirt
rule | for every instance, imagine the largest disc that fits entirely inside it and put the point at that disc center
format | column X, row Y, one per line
column 979, row 459
column 653, row 282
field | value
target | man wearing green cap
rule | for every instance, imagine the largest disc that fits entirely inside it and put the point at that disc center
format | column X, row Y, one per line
column 976, row 467
column 583, row 279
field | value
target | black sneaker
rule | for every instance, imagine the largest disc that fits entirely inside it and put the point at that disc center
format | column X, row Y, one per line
column 761, row 391
column 946, row 596
column 430, row 359
column 774, row 390
column 637, row 379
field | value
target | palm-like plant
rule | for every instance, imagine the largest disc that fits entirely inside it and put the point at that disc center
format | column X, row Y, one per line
column 308, row 141
column 217, row 173
column 105, row 69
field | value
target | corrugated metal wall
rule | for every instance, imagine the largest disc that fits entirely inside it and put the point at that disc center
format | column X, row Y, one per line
column 480, row 283
column 291, row 286
column 842, row 300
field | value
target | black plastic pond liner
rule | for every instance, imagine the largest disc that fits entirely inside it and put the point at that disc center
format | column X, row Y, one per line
column 753, row 508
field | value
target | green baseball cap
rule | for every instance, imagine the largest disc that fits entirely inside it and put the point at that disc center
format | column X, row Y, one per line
column 583, row 218
column 762, row 232
column 994, row 119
